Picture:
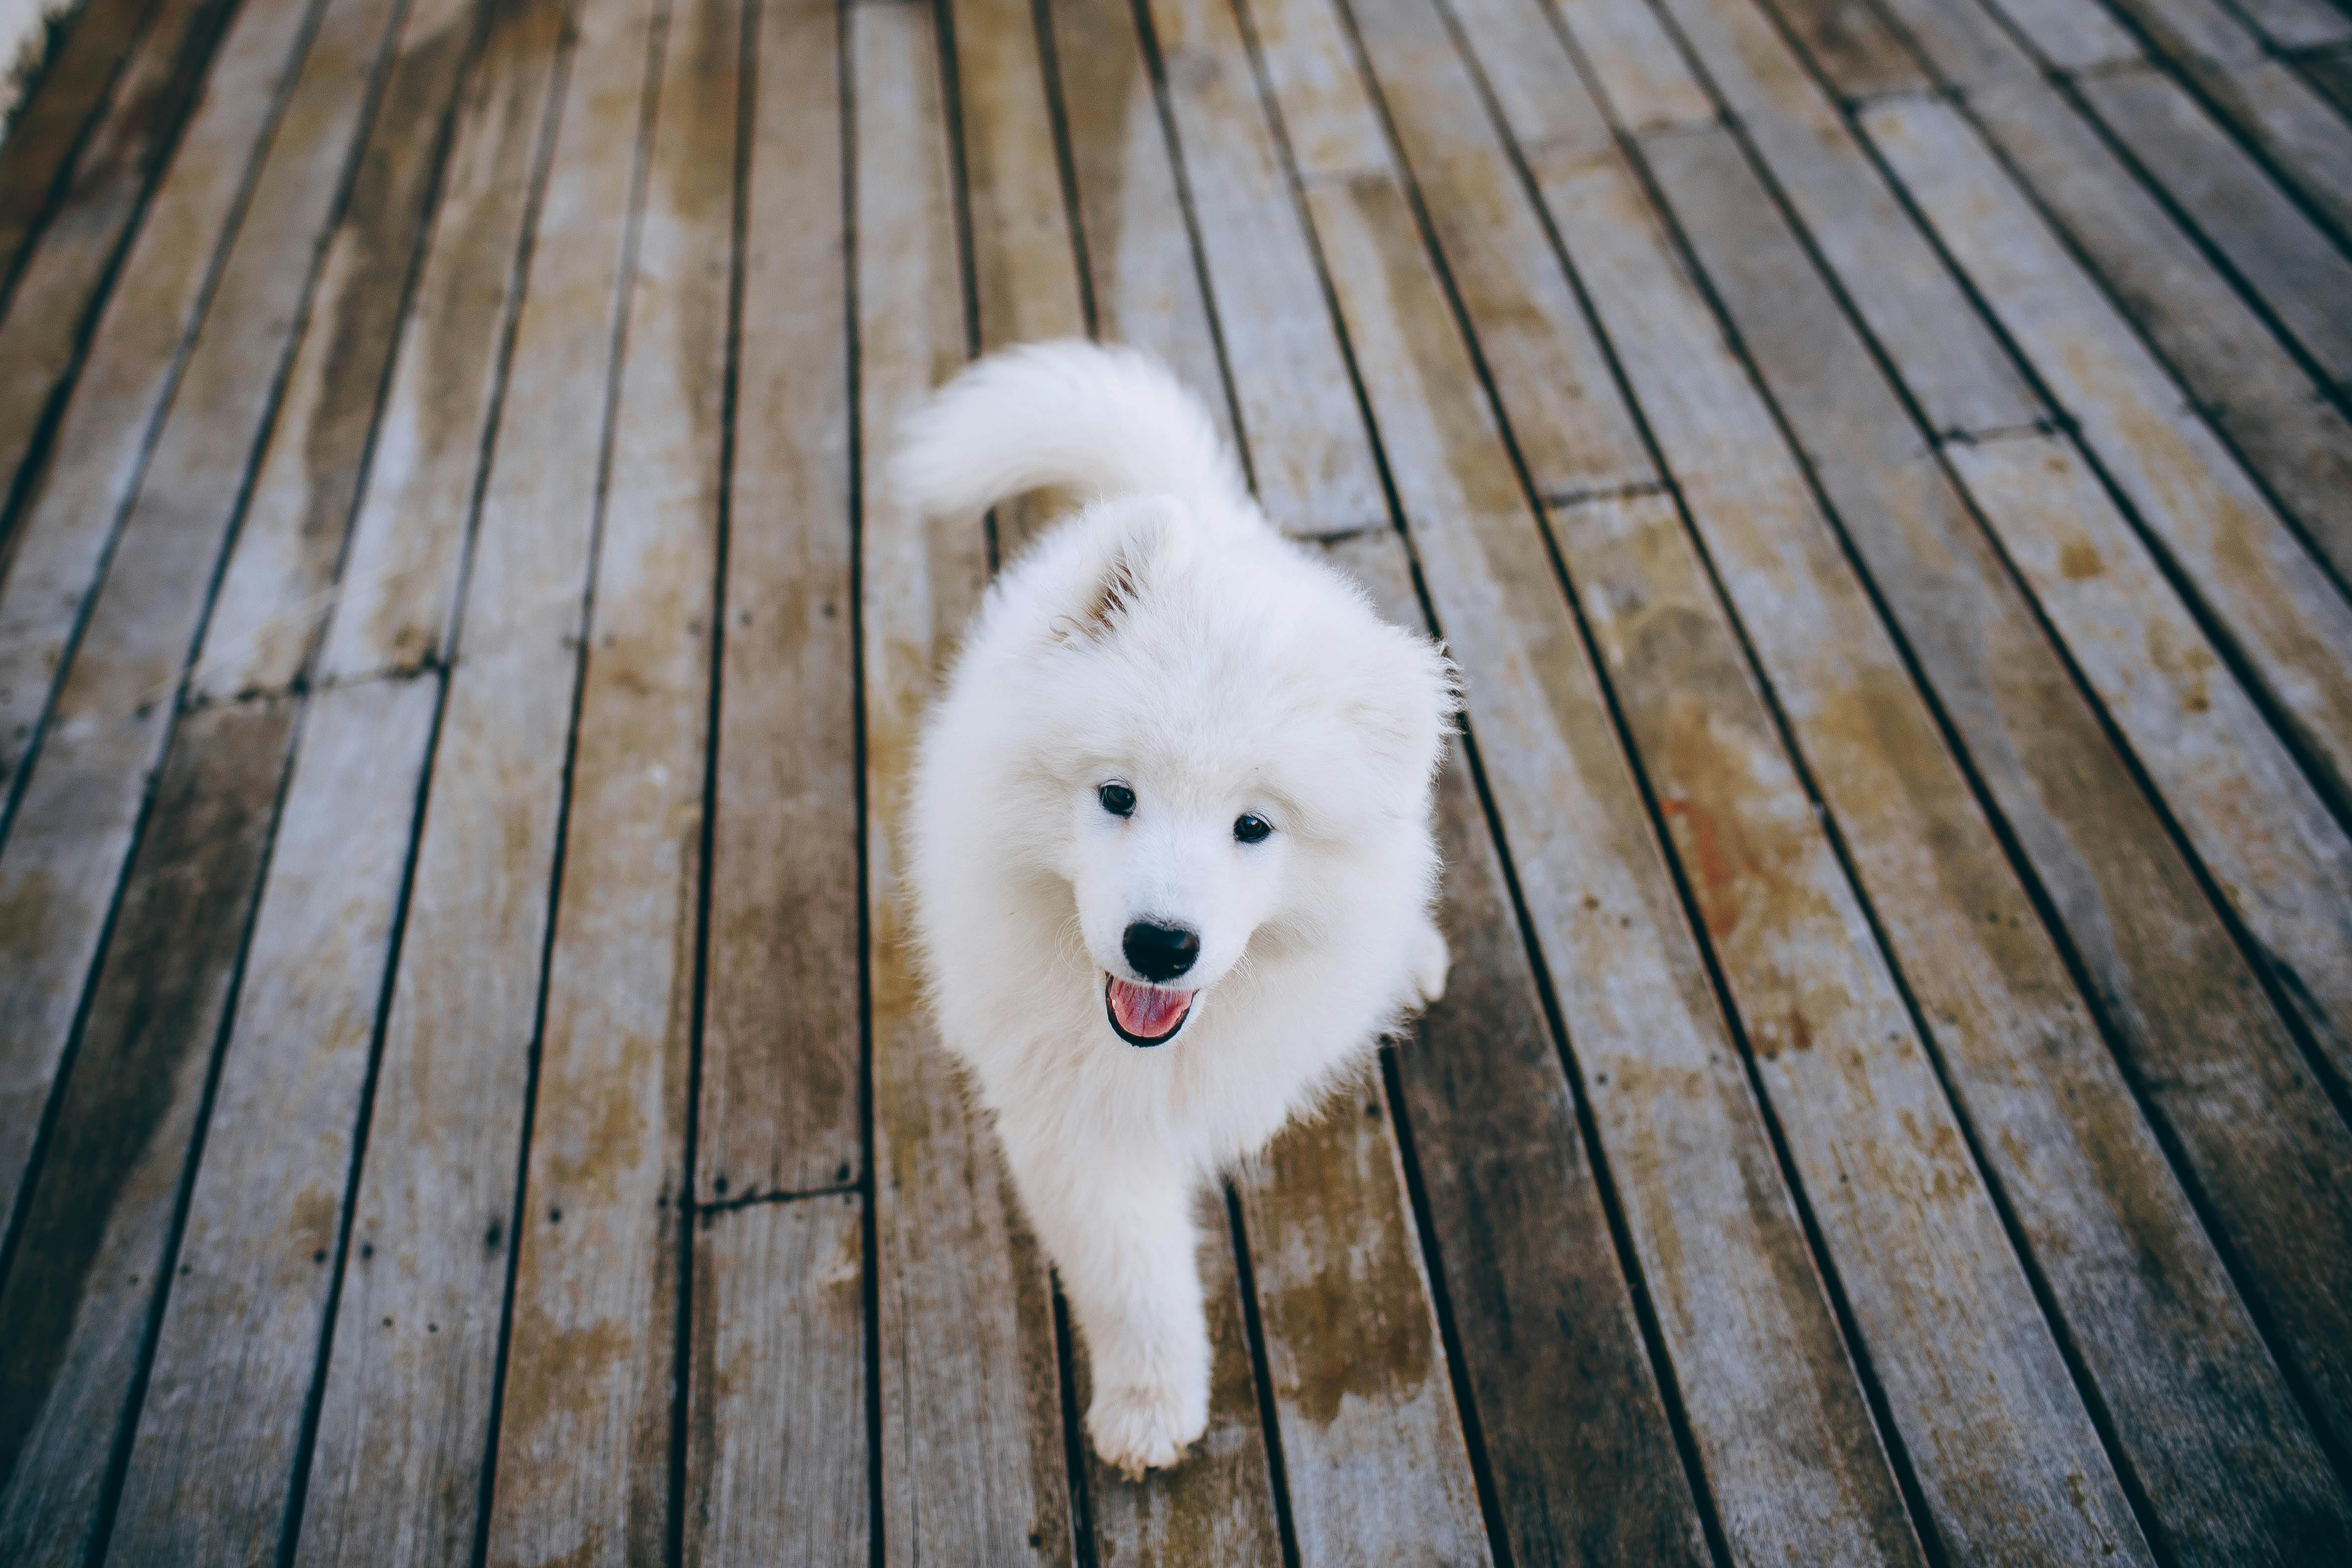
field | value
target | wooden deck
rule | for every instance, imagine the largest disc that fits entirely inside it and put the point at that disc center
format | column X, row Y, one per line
column 1882, row 465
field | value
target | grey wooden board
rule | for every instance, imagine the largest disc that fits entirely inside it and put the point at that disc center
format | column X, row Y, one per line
column 1576, row 1431
column 1299, row 418
column 2200, row 1040
column 2287, row 622
column 79, row 807
column 48, row 304
column 2057, row 1122
column 972, row 1462
column 2277, row 111
column 1573, row 430
column 1781, row 1429
column 2297, row 24
column 2071, row 34
column 1631, row 51
column 278, row 582
column 213, row 1465
column 396, row 599
column 772, row 1473
column 95, row 1235
column 1848, row 1076
column 1957, row 370
column 781, row 1034
column 65, row 523
column 2298, row 442
column 1851, row 45
column 2290, row 263
column 403, row 1422
column 585, row 1418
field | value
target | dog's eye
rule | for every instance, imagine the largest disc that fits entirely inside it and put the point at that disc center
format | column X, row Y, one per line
column 1251, row 828
column 1117, row 799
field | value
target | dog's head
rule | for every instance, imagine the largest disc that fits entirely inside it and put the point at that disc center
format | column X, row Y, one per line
column 1227, row 740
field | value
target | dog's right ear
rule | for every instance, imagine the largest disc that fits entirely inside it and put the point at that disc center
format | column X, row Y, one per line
column 1140, row 539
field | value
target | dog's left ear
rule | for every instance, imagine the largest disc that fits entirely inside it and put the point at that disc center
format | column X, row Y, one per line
column 1145, row 537
column 1407, row 704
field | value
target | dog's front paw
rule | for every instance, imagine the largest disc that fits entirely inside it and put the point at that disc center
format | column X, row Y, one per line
column 1141, row 1426
column 1430, row 962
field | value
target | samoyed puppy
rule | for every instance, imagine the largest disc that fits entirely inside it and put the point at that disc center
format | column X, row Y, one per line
column 1171, row 849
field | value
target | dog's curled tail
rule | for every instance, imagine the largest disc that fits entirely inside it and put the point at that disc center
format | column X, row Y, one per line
column 1100, row 423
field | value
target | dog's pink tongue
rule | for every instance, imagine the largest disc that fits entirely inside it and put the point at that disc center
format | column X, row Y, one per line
column 1146, row 1011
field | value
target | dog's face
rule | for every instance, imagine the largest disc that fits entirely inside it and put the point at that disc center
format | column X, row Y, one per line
column 1219, row 745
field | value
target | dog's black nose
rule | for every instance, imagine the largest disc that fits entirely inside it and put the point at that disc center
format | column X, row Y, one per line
column 1160, row 952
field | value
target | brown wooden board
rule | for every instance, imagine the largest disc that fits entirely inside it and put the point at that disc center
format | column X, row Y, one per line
column 1963, row 379
column 65, row 523
column 1576, row 1431
column 974, row 1463
column 1782, row 1432
column 2200, row 1042
column 49, row 128
column 1023, row 261
column 393, row 606
column 210, row 1473
column 77, row 815
column 1299, row 418
column 2285, row 428
column 278, row 582
column 2290, row 264
column 2005, row 1452
column 46, row 311
column 404, row 1418
column 774, row 1473
column 779, row 1108
column 1372, row 1450
column 2253, row 577
column 97, row 1230
column 585, row 1421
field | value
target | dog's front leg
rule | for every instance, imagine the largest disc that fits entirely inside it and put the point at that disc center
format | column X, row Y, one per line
column 1120, row 1232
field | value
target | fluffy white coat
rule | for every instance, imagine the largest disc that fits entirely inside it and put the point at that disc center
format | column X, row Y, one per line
column 1168, row 642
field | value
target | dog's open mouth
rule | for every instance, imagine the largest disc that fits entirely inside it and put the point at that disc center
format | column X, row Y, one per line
column 1145, row 1014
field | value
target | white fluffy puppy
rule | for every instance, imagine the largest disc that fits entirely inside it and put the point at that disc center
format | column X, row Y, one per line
column 1175, row 795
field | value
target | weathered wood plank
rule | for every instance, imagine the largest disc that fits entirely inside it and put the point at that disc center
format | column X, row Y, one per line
column 777, row 1296
column 278, row 582
column 213, row 1464
column 2288, row 623
column 403, row 1425
column 2263, row 833
column 48, row 130
column 1371, row 1444
column 1024, row 260
column 1783, row 1433
column 781, row 1034
column 1143, row 273
column 584, row 1436
column 2005, row 1451
column 1216, row 1507
column 1965, row 45
column 1300, row 417
column 1851, row 46
column 2071, row 34
column 2250, row 387
column 2286, row 258
column 2296, row 23
column 111, row 718
column 65, row 523
column 1627, row 48
column 96, row 1235
column 396, row 598
column 1573, row 431
column 1962, row 377
column 2125, row 1262
column 47, row 309
column 1577, row 1436
column 973, row 1466
column 2305, row 139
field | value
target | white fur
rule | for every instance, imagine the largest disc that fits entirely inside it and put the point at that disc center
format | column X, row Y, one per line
column 1232, row 672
